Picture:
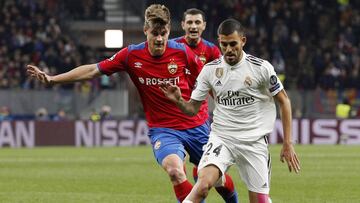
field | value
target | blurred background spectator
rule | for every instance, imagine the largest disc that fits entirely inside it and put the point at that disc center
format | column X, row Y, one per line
column 343, row 109
column 105, row 113
column 60, row 116
column 42, row 114
column 5, row 114
column 94, row 116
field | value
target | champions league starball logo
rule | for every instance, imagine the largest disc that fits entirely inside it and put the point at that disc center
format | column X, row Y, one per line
column 273, row 80
column 172, row 66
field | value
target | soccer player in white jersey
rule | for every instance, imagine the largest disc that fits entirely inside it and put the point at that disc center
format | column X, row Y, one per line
column 244, row 89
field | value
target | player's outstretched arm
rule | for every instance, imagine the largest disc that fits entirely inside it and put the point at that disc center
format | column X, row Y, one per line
column 287, row 153
column 173, row 92
column 84, row 72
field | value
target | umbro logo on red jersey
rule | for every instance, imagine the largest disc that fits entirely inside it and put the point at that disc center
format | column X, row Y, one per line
column 137, row 65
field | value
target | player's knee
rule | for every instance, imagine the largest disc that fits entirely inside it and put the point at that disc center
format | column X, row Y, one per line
column 176, row 173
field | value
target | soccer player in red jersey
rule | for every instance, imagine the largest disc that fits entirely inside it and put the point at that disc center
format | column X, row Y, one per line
column 149, row 64
column 194, row 24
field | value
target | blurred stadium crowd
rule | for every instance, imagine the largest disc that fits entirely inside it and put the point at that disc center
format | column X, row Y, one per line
column 33, row 32
column 312, row 44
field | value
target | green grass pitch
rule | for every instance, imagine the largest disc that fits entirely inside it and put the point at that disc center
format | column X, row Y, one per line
column 130, row 174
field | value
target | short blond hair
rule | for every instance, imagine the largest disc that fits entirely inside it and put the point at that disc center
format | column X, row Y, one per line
column 157, row 14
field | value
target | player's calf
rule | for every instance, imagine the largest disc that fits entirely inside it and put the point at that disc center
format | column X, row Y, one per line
column 227, row 192
column 203, row 188
column 176, row 175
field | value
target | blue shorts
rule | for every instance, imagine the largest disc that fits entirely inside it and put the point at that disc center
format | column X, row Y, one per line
column 166, row 141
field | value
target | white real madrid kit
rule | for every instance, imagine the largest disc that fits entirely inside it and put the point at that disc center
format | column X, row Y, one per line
column 244, row 115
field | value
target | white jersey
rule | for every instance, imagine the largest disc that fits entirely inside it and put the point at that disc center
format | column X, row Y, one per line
column 243, row 94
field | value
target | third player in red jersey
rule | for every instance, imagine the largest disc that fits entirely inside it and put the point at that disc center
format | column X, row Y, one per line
column 194, row 24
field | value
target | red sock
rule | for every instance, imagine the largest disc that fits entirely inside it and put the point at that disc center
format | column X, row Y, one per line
column 263, row 198
column 229, row 184
column 195, row 174
column 182, row 190
column 227, row 191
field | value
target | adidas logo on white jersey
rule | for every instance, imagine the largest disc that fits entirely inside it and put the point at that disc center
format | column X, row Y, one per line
column 218, row 83
column 265, row 185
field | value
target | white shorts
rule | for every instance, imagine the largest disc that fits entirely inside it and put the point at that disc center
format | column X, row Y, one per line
column 252, row 159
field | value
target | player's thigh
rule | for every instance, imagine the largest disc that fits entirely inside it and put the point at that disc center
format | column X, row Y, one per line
column 194, row 141
column 216, row 153
column 166, row 142
column 254, row 163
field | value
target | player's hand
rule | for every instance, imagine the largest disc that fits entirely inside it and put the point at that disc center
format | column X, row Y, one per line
column 36, row 73
column 288, row 154
column 172, row 92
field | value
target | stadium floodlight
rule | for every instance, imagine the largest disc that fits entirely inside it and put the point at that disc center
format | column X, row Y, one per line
column 114, row 38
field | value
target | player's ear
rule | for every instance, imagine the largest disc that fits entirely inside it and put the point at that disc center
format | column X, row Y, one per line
column 183, row 25
column 243, row 40
column 145, row 30
column 168, row 28
column 204, row 25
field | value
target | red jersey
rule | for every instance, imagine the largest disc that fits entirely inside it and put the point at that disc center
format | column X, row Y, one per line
column 175, row 66
column 205, row 50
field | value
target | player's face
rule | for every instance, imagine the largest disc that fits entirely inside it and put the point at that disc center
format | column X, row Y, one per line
column 232, row 46
column 157, row 38
column 194, row 26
